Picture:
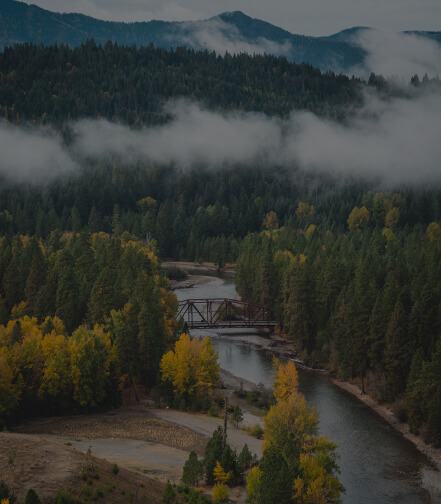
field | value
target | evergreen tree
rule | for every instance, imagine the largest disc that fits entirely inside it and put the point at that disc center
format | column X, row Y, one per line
column 66, row 300
column 396, row 352
column 193, row 470
column 34, row 282
column 213, row 453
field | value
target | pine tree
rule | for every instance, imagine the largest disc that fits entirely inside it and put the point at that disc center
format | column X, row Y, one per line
column 67, row 292
column 193, row 470
column 213, row 453
column 34, row 283
column 299, row 313
column 277, row 479
column 415, row 392
column 396, row 352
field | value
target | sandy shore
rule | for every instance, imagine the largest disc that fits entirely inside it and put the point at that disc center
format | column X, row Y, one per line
column 198, row 274
column 196, row 268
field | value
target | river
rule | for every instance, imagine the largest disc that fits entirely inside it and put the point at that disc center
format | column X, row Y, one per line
column 378, row 465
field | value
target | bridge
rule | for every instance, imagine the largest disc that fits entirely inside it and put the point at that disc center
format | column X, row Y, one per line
column 222, row 313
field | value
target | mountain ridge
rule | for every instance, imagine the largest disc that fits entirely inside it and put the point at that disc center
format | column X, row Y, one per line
column 232, row 31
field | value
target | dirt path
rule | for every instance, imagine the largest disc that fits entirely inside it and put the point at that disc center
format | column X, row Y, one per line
column 206, row 425
column 46, row 454
column 153, row 459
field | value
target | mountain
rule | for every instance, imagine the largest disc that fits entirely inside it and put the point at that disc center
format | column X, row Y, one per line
column 233, row 32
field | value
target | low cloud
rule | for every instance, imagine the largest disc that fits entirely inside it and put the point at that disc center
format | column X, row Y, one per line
column 194, row 136
column 32, row 155
column 399, row 55
column 219, row 36
column 395, row 142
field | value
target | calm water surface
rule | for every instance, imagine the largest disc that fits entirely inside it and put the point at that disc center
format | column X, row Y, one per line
column 377, row 464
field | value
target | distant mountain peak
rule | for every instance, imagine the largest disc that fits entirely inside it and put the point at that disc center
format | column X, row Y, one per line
column 348, row 34
column 234, row 14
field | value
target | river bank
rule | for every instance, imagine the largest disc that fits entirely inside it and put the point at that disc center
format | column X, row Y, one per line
column 434, row 454
column 282, row 348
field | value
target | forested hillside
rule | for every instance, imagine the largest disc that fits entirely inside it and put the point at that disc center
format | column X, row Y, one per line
column 56, row 83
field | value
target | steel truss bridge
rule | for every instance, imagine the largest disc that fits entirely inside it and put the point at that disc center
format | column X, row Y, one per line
column 224, row 313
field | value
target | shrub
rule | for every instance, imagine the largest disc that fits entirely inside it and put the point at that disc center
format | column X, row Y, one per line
column 97, row 494
column 65, row 498
column 220, row 493
column 255, row 431
column 169, row 493
column 399, row 409
column 86, row 490
column 212, row 411
column 6, row 494
column 32, row 497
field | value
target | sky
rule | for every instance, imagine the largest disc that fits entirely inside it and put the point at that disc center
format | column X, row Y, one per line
column 305, row 17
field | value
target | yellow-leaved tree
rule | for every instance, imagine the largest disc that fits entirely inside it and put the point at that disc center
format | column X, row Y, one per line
column 317, row 484
column 220, row 475
column 296, row 465
column 286, row 380
column 291, row 418
column 358, row 218
column 253, row 484
column 192, row 366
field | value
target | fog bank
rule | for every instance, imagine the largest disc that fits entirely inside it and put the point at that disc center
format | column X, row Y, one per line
column 395, row 141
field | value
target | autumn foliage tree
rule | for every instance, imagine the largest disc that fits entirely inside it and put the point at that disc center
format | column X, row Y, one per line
column 297, row 466
column 192, row 367
column 358, row 218
column 286, row 380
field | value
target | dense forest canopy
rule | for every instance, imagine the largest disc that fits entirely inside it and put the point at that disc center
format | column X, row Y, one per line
column 53, row 84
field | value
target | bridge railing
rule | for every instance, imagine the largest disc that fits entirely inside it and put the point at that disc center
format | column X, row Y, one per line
column 222, row 312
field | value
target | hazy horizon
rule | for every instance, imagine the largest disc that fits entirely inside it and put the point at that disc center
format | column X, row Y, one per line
column 314, row 17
